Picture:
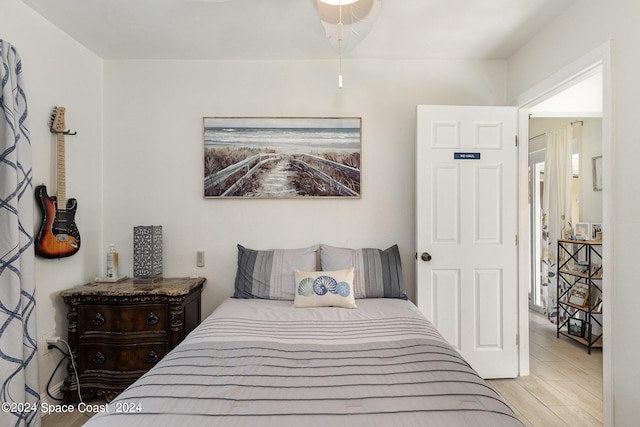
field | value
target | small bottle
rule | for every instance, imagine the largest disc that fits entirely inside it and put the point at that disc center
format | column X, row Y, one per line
column 112, row 262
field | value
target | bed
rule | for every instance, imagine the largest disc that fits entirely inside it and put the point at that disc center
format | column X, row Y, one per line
column 271, row 362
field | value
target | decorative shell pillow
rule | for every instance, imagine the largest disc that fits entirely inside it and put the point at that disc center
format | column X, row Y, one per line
column 324, row 289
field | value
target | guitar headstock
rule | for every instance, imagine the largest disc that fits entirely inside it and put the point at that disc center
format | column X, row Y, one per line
column 57, row 120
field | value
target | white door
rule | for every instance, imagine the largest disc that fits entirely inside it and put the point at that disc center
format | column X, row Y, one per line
column 467, row 215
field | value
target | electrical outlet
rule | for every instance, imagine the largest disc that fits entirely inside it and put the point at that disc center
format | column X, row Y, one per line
column 53, row 340
column 48, row 338
column 200, row 259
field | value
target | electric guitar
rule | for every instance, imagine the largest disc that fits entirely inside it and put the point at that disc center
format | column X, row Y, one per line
column 58, row 236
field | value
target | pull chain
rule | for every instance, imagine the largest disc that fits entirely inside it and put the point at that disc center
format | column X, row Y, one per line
column 340, row 36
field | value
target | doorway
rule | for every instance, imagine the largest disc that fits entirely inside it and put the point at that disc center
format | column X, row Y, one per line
column 585, row 200
column 577, row 108
column 596, row 61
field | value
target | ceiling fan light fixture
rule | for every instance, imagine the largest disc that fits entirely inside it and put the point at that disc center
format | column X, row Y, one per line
column 338, row 2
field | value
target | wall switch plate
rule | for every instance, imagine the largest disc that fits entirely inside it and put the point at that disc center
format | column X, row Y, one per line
column 200, row 259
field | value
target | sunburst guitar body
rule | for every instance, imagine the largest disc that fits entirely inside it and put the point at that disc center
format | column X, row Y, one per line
column 58, row 236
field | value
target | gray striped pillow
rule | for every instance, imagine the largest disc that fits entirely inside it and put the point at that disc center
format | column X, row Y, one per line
column 377, row 273
column 269, row 274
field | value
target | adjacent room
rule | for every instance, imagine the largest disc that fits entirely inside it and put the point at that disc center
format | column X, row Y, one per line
column 205, row 149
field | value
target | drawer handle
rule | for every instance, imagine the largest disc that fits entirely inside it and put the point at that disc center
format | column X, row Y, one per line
column 99, row 320
column 152, row 319
column 152, row 357
column 99, row 358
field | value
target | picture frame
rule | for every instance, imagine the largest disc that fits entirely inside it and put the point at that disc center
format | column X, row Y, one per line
column 581, row 230
column 578, row 268
column 575, row 327
column 578, row 294
column 586, row 331
column 282, row 157
column 597, row 305
column 596, row 271
column 597, row 173
column 596, row 231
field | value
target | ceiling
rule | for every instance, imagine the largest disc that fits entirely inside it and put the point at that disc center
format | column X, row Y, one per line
column 291, row 29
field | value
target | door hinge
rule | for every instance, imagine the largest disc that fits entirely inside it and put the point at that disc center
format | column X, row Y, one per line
column 516, row 140
column 517, row 339
column 516, row 240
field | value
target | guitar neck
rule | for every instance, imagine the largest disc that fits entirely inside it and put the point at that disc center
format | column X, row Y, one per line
column 61, row 188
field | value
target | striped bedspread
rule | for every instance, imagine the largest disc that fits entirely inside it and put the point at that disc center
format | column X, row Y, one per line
column 265, row 363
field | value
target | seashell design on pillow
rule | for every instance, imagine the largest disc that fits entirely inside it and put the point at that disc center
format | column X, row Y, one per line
column 324, row 289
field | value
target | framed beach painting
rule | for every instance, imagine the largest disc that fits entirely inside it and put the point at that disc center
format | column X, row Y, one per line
column 282, row 157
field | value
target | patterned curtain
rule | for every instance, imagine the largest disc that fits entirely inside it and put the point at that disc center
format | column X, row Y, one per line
column 18, row 356
column 556, row 213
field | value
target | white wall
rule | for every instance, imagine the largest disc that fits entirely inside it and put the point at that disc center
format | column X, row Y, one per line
column 153, row 154
column 590, row 200
column 586, row 26
column 59, row 71
column 150, row 168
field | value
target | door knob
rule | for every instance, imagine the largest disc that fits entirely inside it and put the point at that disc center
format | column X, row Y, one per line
column 426, row 256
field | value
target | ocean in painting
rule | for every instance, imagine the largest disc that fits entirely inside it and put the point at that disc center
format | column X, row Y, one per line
column 285, row 140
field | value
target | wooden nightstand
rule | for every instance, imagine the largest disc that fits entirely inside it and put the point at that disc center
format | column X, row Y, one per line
column 118, row 331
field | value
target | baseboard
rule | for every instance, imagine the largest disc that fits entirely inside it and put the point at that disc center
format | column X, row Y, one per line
column 55, row 391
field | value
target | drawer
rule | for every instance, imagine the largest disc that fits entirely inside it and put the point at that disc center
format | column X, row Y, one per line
column 107, row 357
column 123, row 318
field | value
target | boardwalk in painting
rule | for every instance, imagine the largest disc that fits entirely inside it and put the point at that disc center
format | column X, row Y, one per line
column 249, row 157
column 277, row 182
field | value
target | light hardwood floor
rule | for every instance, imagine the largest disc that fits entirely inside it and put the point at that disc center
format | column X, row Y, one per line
column 565, row 385
column 564, row 388
column 73, row 419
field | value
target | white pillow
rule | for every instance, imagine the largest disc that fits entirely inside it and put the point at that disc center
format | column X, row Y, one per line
column 324, row 289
